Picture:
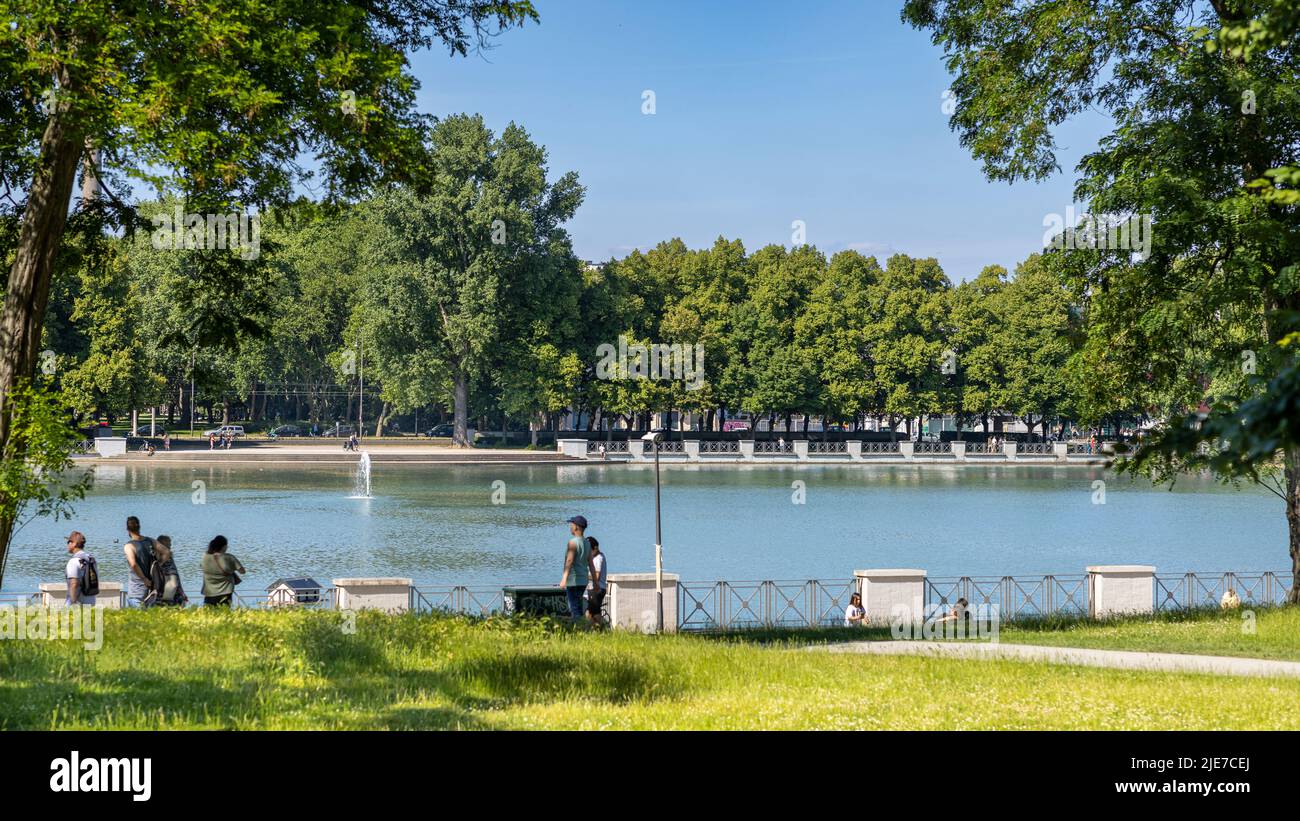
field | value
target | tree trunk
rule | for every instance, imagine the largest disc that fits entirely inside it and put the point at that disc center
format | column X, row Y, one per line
column 460, row 424
column 384, row 410
column 39, row 236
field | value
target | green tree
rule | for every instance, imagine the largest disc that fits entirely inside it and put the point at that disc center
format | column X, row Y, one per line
column 449, row 263
column 1199, row 105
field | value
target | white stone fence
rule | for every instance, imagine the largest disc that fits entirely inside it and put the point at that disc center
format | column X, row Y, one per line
column 1100, row 591
column 810, row 451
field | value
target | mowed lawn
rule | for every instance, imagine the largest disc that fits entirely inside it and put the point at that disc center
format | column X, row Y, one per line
column 259, row 669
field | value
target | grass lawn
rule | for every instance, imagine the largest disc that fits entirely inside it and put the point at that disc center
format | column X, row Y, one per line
column 1211, row 632
column 258, row 669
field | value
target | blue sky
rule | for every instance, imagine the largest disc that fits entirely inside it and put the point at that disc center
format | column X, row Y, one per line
column 826, row 111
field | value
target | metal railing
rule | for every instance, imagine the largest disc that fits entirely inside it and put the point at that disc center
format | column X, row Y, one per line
column 869, row 448
column 1075, row 448
column 1188, row 590
column 823, row 448
column 675, row 446
column 469, row 601
column 1035, row 449
column 612, row 446
column 932, row 447
column 719, row 447
column 773, row 447
column 1014, row 597
column 979, row 448
column 749, row 605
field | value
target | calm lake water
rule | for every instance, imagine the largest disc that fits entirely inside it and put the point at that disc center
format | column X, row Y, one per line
column 438, row 525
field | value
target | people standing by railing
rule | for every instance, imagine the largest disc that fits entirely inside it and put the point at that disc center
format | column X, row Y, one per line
column 577, row 567
column 139, row 561
column 166, row 578
column 220, row 573
column 596, row 591
column 81, row 572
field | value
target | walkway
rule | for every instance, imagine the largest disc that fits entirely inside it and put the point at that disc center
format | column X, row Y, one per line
column 1118, row 659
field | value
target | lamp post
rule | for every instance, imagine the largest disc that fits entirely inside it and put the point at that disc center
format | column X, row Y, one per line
column 652, row 438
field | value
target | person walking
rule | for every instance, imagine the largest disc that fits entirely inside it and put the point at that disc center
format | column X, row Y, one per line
column 82, row 572
column 139, row 561
column 167, row 441
column 220, row 573
column 596, row 592
column 577, row 567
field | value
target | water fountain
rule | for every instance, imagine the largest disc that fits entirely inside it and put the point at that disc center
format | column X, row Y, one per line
column 361, row 489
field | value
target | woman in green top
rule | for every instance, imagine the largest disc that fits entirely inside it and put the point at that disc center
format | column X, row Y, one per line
column 220, row 573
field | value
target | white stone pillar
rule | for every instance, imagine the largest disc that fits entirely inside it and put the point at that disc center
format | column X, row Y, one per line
column 110, row 445
column 854, row 448
column 747, row 449
column 1009, row 448
column 1061, row 450
column 636, row 449
column 907, row 450
column 1120, row 589
column 692, row 448
column 633, row 605
column 959, row 450
column 883, row 590
column 389, row 595
column 801, row 449
column 55, row 594
column 573, row 447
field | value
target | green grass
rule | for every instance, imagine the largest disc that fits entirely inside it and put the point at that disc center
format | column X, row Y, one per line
column 1275, row 635
column 1212, row 632
column 258, row 669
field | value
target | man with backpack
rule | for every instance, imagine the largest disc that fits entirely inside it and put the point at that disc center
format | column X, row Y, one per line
column 139, row 559
column 82, row 572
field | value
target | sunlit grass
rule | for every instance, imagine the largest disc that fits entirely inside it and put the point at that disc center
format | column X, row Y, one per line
column 257, row 669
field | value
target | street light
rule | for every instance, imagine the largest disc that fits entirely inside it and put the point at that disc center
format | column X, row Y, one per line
column 652, row 438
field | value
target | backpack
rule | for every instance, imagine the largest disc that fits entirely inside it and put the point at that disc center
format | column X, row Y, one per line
column 166, row 583
column 90, row 577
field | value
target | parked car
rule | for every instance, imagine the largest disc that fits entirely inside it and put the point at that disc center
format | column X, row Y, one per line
column 150, row 430
column 286, row 430
column 735, row 425
column 445, row 432
column 226, row 430
column 339, row 430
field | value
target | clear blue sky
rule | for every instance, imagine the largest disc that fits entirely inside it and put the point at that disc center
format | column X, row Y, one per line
column 826, row 111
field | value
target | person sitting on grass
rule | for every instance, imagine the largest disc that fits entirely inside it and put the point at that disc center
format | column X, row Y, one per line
column 854, row 614
column 1230, row 600
column 959, row 612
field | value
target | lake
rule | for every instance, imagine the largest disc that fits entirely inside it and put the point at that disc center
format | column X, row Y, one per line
column 439, row 525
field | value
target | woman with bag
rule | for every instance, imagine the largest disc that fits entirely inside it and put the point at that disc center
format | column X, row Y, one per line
column 220, row 573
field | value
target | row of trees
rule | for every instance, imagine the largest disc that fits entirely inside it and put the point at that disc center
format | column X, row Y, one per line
column 468, row 297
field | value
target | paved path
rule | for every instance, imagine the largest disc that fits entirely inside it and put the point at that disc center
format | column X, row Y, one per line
column 1119, row 659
